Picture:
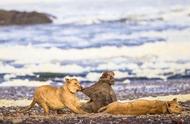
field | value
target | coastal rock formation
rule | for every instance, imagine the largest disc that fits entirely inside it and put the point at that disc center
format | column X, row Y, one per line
column 23, row 18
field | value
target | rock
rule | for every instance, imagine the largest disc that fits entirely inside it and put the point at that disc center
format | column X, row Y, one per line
column 23, row 18
column 12, row 111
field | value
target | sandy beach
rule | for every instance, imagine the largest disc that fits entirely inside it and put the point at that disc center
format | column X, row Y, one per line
column 9, row 109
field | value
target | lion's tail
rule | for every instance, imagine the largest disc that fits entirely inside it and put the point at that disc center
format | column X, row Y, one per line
column 29, row 107
column 102, row 109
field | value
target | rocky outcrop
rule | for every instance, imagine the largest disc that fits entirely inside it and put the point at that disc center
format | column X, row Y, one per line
column 23, row 18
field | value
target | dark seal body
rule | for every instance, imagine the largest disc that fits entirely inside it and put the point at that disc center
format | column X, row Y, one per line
column 100, row 93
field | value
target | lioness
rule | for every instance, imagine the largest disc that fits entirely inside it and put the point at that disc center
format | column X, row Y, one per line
column 101, row 93
column 141, row 107
column 49, row 97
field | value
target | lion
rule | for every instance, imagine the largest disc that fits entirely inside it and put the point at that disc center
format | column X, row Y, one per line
column 142, row 107
column 49, row 97
column 101, row 93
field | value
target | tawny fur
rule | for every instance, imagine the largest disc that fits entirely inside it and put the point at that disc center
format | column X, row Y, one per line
column 142, row 107
column 49, row 97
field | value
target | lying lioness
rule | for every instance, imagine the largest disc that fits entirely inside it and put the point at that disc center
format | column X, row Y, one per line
column 49, row 97
column 141, row 107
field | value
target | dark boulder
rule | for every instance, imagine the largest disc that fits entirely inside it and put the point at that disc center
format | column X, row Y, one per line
column 23, row 18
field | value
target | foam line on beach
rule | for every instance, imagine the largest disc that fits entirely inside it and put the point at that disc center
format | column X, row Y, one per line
column 157, row 58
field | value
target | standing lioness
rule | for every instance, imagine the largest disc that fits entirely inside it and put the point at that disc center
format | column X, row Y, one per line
column 49, row 97
column 140, row 107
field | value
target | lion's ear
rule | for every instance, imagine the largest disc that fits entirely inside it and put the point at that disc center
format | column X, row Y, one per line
column 174, row 100
column 67, row 80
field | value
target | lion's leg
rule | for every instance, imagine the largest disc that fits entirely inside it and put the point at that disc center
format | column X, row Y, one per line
column 45, row 108
column 103, row 109
column 75, row 109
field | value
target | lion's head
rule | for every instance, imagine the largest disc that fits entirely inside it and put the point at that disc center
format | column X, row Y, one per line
column 173, row 106
column 73, row 85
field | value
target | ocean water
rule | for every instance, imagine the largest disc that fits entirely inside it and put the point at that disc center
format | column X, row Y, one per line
column 136, row 39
